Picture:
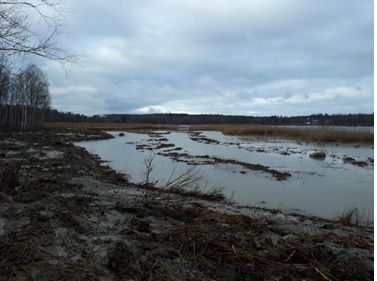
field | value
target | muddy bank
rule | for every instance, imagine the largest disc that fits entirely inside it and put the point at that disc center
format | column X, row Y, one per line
column 66, row 216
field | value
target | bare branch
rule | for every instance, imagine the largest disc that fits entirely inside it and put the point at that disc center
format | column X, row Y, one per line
column 19, row 22
column 149, row 166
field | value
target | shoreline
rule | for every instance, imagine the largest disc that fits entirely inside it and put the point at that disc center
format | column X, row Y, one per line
column 300, row 133
column 80, row 217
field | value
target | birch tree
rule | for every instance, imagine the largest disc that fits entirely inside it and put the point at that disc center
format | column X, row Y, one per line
column 27, row 27
column 31, row 97
column 30, row 28
column 5, row 84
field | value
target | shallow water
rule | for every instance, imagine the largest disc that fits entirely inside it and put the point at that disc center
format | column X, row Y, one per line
column 323, row 188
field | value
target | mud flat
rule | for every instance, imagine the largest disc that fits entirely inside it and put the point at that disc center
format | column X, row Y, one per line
column 66, row 216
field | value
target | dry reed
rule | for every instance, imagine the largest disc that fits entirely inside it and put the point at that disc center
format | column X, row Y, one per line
column 306, row 134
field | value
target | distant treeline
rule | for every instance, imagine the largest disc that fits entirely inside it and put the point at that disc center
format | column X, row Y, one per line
column 188, row 119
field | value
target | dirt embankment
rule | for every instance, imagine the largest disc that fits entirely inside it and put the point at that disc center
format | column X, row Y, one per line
column 65, row 216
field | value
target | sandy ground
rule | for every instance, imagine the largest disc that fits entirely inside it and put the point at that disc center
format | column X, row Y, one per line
column 65, row 216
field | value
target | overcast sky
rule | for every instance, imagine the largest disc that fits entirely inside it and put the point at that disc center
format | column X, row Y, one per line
column 249, row 57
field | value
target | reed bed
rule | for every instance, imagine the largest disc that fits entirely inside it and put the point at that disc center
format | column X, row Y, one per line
column 322, row 134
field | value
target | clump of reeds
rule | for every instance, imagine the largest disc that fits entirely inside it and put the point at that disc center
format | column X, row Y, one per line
column 307, row 134
column 350, row 217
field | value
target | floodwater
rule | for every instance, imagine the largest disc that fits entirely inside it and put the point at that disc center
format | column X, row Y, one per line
column 323, row 188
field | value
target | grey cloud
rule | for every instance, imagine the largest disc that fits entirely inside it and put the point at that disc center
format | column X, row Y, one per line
column 217, row 57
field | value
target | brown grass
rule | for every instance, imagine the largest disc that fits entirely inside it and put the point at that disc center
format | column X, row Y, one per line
column 109, row 126
column 350, row 217
column 304, row 133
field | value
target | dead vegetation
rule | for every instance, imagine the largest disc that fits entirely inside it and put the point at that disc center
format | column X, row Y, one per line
column 306, row 134
column 224, row 254
column 15, row 255
column 187, row 178
column 186, row 182
column 350, row 217
column 219, row 246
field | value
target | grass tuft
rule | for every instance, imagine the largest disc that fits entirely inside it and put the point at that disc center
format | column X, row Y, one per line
column 350, row 217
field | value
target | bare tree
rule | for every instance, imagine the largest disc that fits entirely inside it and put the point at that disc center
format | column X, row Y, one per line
column 5, row 84
column 27, row 27
column 31, row 27
column 30, row 97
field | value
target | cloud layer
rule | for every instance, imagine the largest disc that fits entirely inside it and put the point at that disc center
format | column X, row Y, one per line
column 232, row 57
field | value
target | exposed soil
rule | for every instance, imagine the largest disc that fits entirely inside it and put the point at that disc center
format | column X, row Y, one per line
column 66, row 216
column 350, row 160
column 155, row 142
column 165, row 145
column 318, row 155
column 198, row 137
column 212, row 160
